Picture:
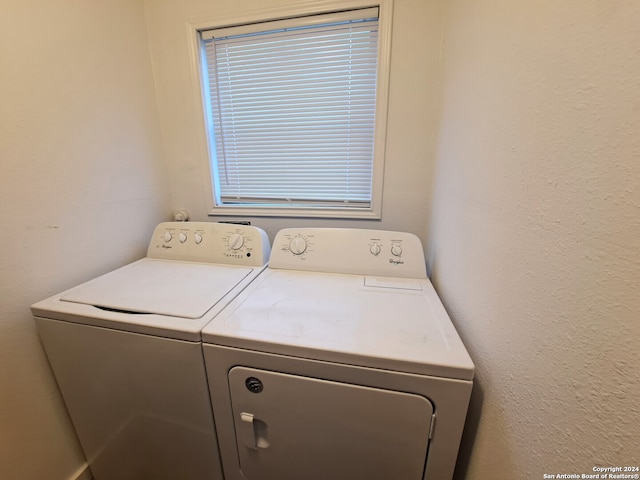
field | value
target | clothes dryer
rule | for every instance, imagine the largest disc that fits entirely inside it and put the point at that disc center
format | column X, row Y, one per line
column 339, row 362
column 126, row 351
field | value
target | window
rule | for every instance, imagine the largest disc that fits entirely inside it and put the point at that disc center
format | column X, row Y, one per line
column 295, row 115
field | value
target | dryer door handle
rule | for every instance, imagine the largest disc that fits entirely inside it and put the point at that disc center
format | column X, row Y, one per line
column 248, row 432
column 254, row 432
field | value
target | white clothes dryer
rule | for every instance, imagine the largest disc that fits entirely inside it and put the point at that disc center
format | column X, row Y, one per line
column 339, row 362
column 126, row 351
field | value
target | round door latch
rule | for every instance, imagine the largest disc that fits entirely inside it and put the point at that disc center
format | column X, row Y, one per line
column 254, row 384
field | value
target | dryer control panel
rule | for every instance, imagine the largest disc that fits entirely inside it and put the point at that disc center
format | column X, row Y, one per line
column 349, row 250
column 210, row 242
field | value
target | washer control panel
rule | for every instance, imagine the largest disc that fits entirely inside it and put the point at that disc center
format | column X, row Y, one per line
column 210, row 242
column 349, row 250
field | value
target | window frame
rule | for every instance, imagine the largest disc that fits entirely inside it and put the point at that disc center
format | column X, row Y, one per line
column 374, row 211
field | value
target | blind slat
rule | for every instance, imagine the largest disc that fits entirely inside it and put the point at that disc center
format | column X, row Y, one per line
column 292, row 112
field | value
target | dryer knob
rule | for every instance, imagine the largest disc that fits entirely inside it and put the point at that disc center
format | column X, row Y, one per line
column 167, row 236
column 396, row 250
column 297, row 245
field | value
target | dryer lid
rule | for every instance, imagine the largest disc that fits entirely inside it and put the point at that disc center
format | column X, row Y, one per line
column 389, row 323
column 151, row 286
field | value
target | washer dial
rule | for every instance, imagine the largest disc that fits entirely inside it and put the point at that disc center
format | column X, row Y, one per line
column 236, row 241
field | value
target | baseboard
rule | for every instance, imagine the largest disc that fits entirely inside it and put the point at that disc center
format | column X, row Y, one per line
column 83, row 473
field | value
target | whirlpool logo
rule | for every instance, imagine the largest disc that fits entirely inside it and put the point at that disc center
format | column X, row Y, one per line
column 396, row 262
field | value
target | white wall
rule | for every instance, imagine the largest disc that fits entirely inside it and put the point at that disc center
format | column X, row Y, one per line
column 412, row 109
column 81, row 187
column 536, row 225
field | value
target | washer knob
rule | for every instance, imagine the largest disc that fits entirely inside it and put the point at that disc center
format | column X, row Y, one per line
column 396, row 250
column 236, row 241
column 167, row 237
column 375, row 249
column 198, row 238
column 183, row 237
column 297, row 245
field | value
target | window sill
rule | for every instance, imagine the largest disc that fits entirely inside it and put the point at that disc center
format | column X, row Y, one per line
column 256, row 211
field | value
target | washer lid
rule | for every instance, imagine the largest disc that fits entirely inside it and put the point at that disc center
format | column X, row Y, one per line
column 178, row 289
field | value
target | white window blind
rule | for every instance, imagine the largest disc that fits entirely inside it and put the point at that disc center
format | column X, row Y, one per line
column 291, row 108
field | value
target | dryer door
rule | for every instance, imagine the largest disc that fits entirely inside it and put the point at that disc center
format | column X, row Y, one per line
column 290, row 427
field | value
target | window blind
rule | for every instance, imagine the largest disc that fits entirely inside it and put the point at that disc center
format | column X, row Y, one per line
column 292, row 109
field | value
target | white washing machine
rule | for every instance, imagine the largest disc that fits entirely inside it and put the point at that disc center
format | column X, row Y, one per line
column 126, row 351
column 339, row 362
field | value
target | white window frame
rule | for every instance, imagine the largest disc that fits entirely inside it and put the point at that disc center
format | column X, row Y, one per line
column 374, row 211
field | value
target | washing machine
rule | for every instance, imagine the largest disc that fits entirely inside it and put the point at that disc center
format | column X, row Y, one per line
column 339, row 362
column 126, row 351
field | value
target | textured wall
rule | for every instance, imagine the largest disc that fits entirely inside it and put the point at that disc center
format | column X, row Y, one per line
column 535, row 237
column 81, row 187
